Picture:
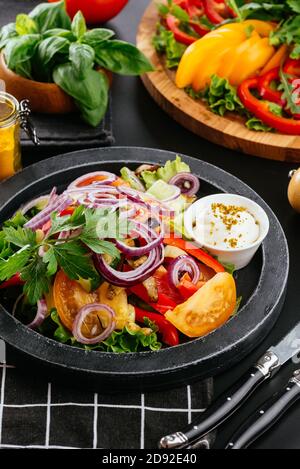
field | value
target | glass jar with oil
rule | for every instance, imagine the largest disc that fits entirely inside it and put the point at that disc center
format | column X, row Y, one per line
column 10, row 146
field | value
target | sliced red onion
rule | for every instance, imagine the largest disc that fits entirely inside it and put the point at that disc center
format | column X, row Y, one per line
column 141, row 230
column 188, row 183
column 129, row 279
column 59, row 204
column 182, row 265
column 150, row 203
column 80, row 319
column 110, row 177
column 40, row 315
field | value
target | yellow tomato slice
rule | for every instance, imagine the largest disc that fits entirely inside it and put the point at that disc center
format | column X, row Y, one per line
column 209, row 308
column 198, row 52
column 118, row 303
column 251, row 61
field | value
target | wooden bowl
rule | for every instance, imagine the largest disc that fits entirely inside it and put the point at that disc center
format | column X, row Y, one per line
column 46, row 98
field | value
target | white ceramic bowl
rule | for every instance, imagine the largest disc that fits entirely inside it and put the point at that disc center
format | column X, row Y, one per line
column 240, row 257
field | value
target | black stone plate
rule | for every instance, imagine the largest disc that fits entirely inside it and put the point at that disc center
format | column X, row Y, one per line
column 262, row 285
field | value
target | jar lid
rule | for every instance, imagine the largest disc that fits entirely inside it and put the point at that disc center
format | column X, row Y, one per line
column 8, row 107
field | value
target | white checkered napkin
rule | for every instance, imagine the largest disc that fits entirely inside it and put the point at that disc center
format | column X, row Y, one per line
column 36, row 414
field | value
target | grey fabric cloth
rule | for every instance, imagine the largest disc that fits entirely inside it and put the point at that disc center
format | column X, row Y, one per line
column 58, row 130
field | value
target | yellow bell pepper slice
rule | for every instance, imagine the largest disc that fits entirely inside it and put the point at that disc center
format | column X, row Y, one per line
column 263, row 28
column 209, row 308
column 198, row 52
column 277, row 60
column 251, row 61
column 232, row 58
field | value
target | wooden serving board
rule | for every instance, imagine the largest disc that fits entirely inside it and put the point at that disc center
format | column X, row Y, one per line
column 227, row 131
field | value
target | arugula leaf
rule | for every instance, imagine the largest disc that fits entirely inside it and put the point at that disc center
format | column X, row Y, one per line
column 289, row 93
column 20, row 237
column 287, row 33
column 122, row 57
column 37, row 283
column 78, row 26
column 82, row 56
column 51, row 15
column 25, row 25
column 164, row 42
column 15, row 263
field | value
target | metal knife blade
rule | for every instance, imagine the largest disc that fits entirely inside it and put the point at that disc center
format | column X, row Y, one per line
column 289, row 347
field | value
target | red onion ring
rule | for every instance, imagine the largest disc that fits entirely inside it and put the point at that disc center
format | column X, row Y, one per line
column 180, row 265
column 152, row 204
column 80, row 318
column 33, row 203
column 131, row 278
column 58, row 205
column 188, row 183
column 40, row 315
column 110, row 177
column 153, row 240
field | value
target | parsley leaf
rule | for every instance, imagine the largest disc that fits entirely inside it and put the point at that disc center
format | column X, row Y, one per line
column 17, row 220
column 60, row 224
column 37, row 282
column 20, row 236
column 14, row 264
column 50, row 259
column 73, row 259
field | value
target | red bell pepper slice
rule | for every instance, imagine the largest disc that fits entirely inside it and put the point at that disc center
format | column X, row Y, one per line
column 167, row 330
column 211, row 12
column 187, row 288
column 261, row 109
column 292, row 67
column 180, row 36
column 12, row 282
column 196, row 252
column 265, row 90
column 67, row 211
column 163, row 304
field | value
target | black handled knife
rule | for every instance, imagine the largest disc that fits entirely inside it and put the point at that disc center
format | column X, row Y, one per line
column 267, row 415
column 234, row 398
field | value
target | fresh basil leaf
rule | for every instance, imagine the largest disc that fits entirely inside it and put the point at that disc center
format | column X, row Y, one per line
column 82, row 56
column 90, row 94
column 51, row 15
column 7, row 32
column 123, row 58
column 48, row 48
column 37, row 283
column 78, row 26
column 14, row 264
column 20, row 49
column 59, row 32
column 94, row 37
column 24, row 69
column 25, row 25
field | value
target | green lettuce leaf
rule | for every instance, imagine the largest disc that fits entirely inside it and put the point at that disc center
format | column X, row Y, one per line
column 166, row 172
